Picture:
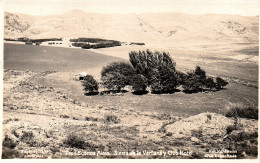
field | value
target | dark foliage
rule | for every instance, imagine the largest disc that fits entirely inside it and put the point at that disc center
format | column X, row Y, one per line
column 117, row 75
column 197, row 81
column 27, row 136
column 139, row 83
column 210, row 83
column 180, row 77
column 201, row 74
column 243, row 112
column 146, row 62
column 112, row 118
column 97, row 43
column 9, row 143
column 137, row 43
column 90, row 84
column 230, row 128
column 90, row 40
column 157, row 67
column 114, row 81
column 220, row 83
column 192, row 83
column 24, row 39
column 165, row 81
column 78, row 142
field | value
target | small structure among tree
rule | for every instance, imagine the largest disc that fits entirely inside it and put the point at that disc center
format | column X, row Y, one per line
column 80, row 76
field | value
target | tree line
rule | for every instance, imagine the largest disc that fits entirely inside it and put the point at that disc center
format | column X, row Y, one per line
column 154, row 71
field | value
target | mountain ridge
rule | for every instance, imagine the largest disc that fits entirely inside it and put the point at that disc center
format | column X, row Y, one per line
column 145, row 27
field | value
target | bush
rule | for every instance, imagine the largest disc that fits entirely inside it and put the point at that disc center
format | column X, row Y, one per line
column 90, row 84
column 9, row 143
column 195, row 81
column 139, row 83
column 201, row 76
column 27, row 136
column 117, row 75
column 165, row 81
column 75, row 142
column 112, row 118
column 192, row 83
column 180, row 77
column 220, row 83
column 231, row 128
column 210, row 83
column 239, row 110
column 114, row 81
column 99, row 43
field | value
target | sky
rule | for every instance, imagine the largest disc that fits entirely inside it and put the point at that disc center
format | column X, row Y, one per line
column 50, row 7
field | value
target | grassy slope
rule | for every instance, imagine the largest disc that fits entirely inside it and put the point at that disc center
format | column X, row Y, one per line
column 179, row 103
column 53, row 106
column 45, row 58
column 35, row 58
column 39, row 119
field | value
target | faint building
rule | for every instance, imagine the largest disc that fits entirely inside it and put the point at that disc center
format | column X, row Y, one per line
column 80, row 76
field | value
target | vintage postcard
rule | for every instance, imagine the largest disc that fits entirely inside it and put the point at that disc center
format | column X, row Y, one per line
column 130, row 79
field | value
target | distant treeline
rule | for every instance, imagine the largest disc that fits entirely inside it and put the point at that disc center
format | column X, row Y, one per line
column 24, row 39
column 97, row 43
column 91, row 40
column 96, row 46
column 137, row 43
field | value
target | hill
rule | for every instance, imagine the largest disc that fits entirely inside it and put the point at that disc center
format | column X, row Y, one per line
column 150, row 27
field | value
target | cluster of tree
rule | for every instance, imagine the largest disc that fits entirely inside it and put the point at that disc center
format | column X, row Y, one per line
column 96, row 46
column 10, row 39
column 198, row 81
column 25, row 39
column 157, row 71
column 91, row 40
column 137, row 43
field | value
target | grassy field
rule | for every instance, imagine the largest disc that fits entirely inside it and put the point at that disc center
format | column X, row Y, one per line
column 43, row 58
column 179, row 103
column 46, row 58
column 45, row 110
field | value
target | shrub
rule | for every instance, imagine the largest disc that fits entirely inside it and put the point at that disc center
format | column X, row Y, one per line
column 220, row 83
column 27, row 136
column 139, row 83
column 91, row 119
column 75, row 142
column 191, row 83
column 8, row 153
column 166, row 81
column 210, row 83
column 112, row 118
column 239, row 110
column 114, row 81
column 9, row 143
column 196, row 80
column 64, row 116
column 117, row 75
column 180, row 77
column 230, row 128
column 90, row 84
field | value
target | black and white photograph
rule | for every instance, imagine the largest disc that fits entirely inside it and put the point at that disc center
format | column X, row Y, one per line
column 130, row 79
